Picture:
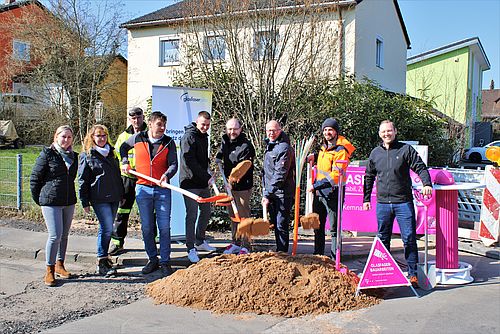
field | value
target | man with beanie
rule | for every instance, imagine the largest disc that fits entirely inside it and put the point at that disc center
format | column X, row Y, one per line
column 194, row 176
column 278, row 182
column 326, row 186
column 120, row 226
column 390, row 165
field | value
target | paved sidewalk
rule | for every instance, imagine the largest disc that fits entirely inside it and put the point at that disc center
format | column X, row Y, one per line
column 471, row 308
column 31, row 244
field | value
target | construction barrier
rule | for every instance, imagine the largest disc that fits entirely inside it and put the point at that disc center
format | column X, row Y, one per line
column 490, row 209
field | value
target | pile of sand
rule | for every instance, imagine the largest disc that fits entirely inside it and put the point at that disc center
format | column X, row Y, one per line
column 262, row 283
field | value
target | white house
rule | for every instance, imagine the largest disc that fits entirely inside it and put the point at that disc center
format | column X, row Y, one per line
column 366, row 38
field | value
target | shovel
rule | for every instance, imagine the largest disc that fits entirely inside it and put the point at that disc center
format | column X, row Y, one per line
column 189, row 194
column 222, row 202
column 236, row 217
column 426, row 273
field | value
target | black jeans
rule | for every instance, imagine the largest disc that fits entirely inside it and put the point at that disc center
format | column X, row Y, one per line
column 326, row 207
column 120, row 225
column 279, row 215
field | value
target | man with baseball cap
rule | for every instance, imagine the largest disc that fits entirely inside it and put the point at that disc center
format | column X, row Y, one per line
column 333, row 149
column 137, row 124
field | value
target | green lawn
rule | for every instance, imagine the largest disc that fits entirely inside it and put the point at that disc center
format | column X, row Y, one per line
column 8, row 175
column 8, row 180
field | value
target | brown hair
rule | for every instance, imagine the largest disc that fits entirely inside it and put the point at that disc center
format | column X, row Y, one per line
column 60, row 129
column 204, row 114
column 88, row 142
column 386, row 121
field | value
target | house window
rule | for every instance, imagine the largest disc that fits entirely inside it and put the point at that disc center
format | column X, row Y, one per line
column 169, row 52
column 379, row 58
column 266, row 45
column 215, row 48
column 21, row 50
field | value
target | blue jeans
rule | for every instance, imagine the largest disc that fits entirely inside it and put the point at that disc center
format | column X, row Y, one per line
column 405, row 214
column 58, row 220
column 106, row 213
column 155, row 201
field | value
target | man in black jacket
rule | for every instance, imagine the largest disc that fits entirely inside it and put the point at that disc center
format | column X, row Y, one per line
column 120, row 226
column 390, row 163
column 279, row 182
column 235, row 148
column 194, row 176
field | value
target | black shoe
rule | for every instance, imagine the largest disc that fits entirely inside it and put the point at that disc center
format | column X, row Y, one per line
column 105, row 268
column 151, row 266
column 115, row 249
column 166, row 269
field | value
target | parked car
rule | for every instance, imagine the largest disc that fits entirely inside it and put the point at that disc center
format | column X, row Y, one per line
column 478, row 154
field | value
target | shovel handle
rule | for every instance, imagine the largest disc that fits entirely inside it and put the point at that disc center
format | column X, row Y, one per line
column 264, row 213
column 229, row 193
column 165, row 185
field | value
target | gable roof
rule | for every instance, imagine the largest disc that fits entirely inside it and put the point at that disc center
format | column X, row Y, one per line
column 491, row 103
column 20, row 3
column 474, row 43
column 177, row 12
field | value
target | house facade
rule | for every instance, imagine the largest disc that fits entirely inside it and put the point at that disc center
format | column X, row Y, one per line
column 490, row 111
column 451, row 77
column 15, row 56
column 366, row 38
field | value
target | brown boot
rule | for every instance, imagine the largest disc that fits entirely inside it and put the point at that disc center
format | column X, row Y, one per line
column 61, row 271
column 49, row 278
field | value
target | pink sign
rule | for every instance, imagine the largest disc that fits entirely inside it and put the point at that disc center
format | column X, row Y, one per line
column 355, row 219
column 381, row 270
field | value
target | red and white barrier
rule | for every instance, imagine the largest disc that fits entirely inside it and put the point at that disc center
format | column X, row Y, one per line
column 490, row 207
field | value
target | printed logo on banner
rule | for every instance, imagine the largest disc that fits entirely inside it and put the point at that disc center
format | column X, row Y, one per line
column 381, row 269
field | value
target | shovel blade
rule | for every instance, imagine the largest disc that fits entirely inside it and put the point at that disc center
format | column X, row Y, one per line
column 426, row 281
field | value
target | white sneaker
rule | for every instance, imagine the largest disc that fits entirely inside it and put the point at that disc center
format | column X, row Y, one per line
column 232, row 249
column 243, row 251
column 205, row 247
column 193, row 256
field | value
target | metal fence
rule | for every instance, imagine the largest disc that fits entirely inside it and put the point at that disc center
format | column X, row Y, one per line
column 14, row 182
column 469, row 201
column 15, row 190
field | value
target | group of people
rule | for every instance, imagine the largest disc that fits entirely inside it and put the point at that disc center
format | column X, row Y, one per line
column 106, row 185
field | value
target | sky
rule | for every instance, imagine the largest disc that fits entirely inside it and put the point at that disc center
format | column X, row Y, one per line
column 430, row 24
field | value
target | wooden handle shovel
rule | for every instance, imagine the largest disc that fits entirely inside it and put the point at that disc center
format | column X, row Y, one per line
column 189, row 194
column 236, row 217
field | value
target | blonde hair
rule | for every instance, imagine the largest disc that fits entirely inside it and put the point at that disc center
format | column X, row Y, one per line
column 88, row 142
column 60, row 129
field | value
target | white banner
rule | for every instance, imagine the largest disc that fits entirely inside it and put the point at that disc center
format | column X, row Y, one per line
column 181, row 105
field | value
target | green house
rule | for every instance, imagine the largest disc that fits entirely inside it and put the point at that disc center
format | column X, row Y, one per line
column 451, row 77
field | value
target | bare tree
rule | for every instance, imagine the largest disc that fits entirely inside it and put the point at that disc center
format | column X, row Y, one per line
column 253, row 54
column 73, row 46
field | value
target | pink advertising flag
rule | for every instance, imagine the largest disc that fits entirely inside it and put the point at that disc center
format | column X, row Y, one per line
column 381, row 270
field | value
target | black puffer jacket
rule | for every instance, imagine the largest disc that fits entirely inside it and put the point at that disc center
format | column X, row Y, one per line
column 391, row 168
column 99, row 178
column 279, row 168
column 232, row 152
column 194, row 159
column 51, row 183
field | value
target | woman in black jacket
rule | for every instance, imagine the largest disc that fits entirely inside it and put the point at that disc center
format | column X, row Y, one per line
column 52, row 186
column 100, row 186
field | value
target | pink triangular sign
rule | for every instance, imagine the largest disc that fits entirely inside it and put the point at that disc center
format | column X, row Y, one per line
column 381, row 269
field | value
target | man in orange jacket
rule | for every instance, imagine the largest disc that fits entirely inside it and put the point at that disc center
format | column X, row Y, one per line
column 334, row 148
